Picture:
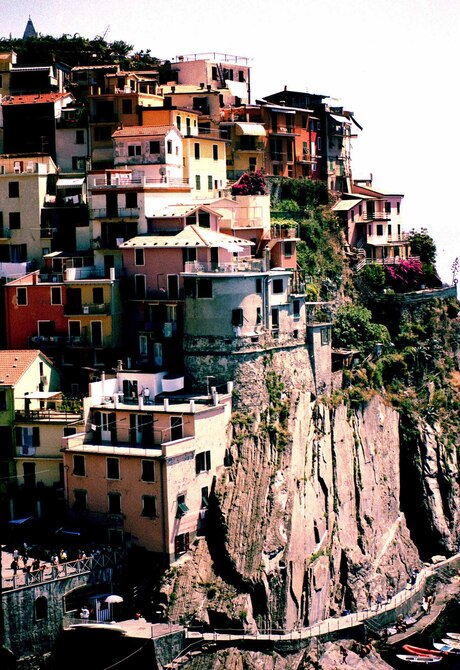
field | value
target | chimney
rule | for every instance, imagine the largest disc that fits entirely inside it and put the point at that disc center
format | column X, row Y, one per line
column 166, row 404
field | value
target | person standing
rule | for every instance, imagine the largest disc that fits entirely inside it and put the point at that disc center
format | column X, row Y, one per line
column 84, row 614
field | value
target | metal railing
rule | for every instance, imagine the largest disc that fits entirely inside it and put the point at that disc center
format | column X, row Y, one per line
column 249, row 265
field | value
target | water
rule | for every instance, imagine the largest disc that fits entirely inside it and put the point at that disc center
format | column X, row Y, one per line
column 447, row 622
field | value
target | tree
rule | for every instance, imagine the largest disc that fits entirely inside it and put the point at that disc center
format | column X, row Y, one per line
column 353, row 328
column 423, row 246
column 407, row 275
column 250, row 183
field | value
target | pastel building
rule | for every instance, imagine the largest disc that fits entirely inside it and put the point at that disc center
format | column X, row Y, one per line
column 27, row 379
column 143, row 471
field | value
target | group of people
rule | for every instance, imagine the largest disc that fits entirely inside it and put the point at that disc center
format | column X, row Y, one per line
column 22, row 563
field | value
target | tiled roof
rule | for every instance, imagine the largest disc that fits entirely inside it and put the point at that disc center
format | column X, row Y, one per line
column 34, row 98
column 14, row 363
column 135, row 131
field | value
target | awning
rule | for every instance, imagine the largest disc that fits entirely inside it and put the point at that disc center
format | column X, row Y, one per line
column 18, row 522
column 340, row 119
column 69, row 183
column 255, row 129
column 41, row 395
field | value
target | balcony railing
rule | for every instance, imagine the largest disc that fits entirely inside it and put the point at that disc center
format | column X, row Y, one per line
column 47, row 341
column 402, row 237
column 125, row 181
column 73, row 310
column 118, row 213
column 5, row 233
column 249, row 265
column 379, row 216
column 46, row 415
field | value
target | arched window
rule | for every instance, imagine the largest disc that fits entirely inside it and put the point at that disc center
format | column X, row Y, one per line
column 41, row 608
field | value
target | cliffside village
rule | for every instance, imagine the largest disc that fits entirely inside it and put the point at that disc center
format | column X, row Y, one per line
column 135, row 274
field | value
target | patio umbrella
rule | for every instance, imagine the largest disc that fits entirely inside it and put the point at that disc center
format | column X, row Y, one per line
column 113, row 599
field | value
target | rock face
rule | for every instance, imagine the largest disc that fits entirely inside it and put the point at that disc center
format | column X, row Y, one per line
column 311, row 517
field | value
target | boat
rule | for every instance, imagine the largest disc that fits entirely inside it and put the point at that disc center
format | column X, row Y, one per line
column 454, row 636
column 448, row 648
column 453, row 643
column 423, row 660
column 419, row 651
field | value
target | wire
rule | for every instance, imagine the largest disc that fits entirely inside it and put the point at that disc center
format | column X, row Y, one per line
column 114, row 665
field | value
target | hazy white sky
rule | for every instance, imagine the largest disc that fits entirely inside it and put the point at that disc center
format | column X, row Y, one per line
column 392, row 62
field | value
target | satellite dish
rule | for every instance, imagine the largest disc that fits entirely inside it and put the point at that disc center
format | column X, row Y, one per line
column 162, row 172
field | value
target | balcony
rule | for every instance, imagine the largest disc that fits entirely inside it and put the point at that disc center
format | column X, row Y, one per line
column 379, row 216
column 402, row 237
column 48, row 341
column 77, row 310
column 47, row 416
column 124, row 181
column 249, row 265
column 119, row 213
column 67, row 201
column 5, row 233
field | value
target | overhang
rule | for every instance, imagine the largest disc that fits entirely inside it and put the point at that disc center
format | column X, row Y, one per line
column 254, row 129
column 69, row 183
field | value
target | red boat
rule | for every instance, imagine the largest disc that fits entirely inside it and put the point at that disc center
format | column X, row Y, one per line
column 418, row 651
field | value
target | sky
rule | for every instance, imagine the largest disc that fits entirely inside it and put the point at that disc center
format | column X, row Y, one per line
column 392, row 62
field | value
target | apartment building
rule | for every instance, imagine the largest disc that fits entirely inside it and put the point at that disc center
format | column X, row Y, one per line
column 143, row 470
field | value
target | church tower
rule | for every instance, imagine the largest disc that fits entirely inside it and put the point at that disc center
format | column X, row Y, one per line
column 30, row 30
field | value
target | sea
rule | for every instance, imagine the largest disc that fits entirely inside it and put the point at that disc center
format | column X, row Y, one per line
column 447, row 622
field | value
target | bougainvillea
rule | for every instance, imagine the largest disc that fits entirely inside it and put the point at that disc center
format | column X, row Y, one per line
column 405, row 276
column 250, row 183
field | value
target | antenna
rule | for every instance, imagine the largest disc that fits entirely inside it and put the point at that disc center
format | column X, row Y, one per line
column 106, row 31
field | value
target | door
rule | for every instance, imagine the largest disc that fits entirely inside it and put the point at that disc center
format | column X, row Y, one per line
column 173, row 287
column 105, row 427
column 111, row 205
column 96, row 333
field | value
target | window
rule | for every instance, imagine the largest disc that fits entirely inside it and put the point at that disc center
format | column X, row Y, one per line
column 80, row 497
column 143, row 345
column 325, row 336
column 389, row 229
column 197, row 182
column 318, row 143
column 13, row 189
column 127, row 106
column 79, row 469
column 178, row 122
column 214, row 73
column 259, row 285
column 275, row 318
column 169, row 147
column 181, row 544
column 176, row 427
column 21, row 296
column 148, row 471
column 360, row 210
column 2, row 401
column 203, row 462
column 209, row 182
column 296, row 309
column 113, row 468
column 215, row 152
column 79, row 137
column 237, row 317
column 41, row 608
column 139, row 286
column 98, row 295
column 15, row 220
column 154, row 147
column 27, row 437
column 197, row 151
column 388, row 207
column 139, row 257
column 114, row 503
column 304, row 122
column 380, row 229
column 398, row 207
column 204, row 288
column 181, row 506
column 131, row 200
column 18, row 253
column 204, row 497
column 56, row 295
column 102, row 133
column 78, row 163
column 258, row 315
column 134, row 149
column 277, row 286
column 288, row 249
column 149, row 506
column 74, row 329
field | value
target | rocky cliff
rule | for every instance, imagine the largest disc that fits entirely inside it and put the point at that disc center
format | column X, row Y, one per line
column 324, row 506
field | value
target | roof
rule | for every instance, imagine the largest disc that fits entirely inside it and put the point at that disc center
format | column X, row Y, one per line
column 137, row 131
column 340, row 119
column 34, row 98
column 191, row 236
column 14, row 364
column 69, row 183
column 179, row 211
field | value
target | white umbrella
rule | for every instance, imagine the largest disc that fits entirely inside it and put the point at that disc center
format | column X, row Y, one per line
column 113, row 599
